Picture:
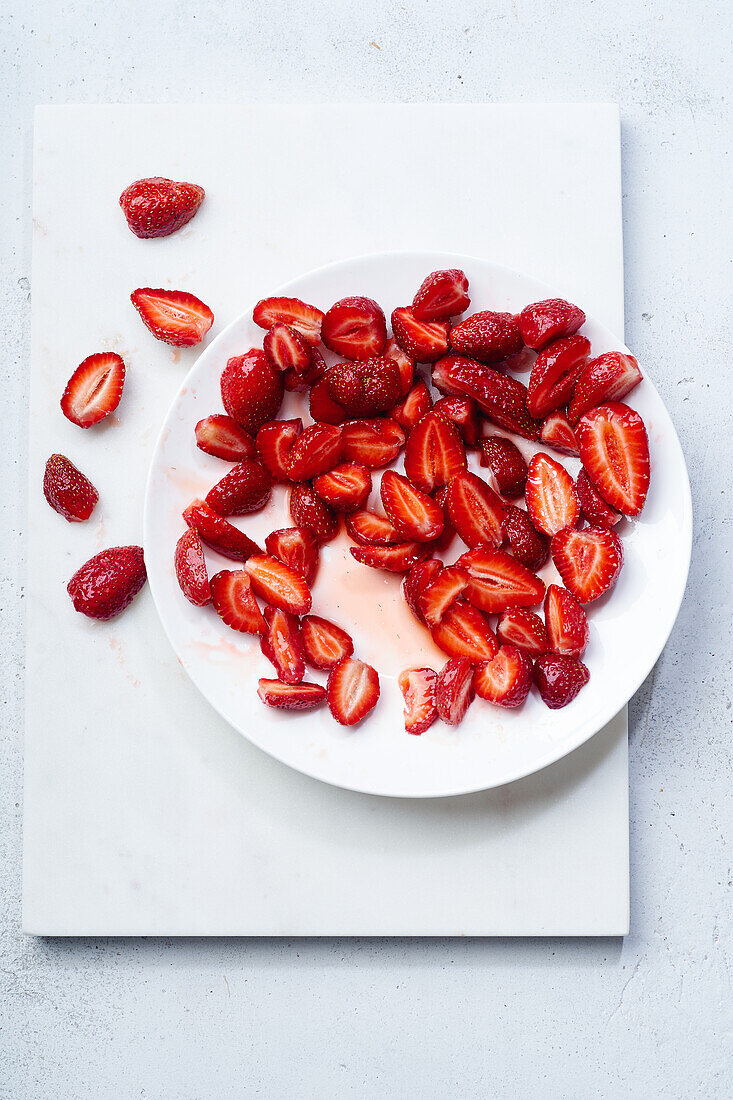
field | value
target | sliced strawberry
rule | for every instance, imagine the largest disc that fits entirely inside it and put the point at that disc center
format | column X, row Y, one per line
column 287, row 349
column 441, row 544
column 434, row 452
column 309, row 511
column 542, row 322
column 506, row 463
column 299, row 383
column 218, row 533
column 487, row 336
column 418, row 690
column 476, row 512
column 251, row 389
column 365, row 388
column 222, row 437
column 442, row 295
column 297, row 548
column 615, row 452
column 550, row 494
column 394, row 559
column 607, row 378
column 416, row 581
column 502, row 399
column 589, row 561
column 555, row 373
column 414, row 514
column 373, row 443
column 439, row 594
column 523, row 629
column 557, row 432
column 314, row 452
column 423, row 341
column 594, row 507
column 462, row 412
column 499, row 581
column 352, row 690
column 290, row 311
column 355, row 328
column 526, row 543
column 465, row 632
column 274, row 443
column 454, row 691
column 190, row 566
column 369, row 529
column 94, row 389
column 324, row 642
column 278, row 584
column 173, row 316
column 414, row 406
column 567, row 624
column 67, row 490
column 345, row 488
column 505, row 680
column 108, row 582
column 322, row 406
column 559, row 679
column 246, row 488
column 157, row 207
column 405, row 364
column 301, row 696
column 235, row 603
column 283, row 645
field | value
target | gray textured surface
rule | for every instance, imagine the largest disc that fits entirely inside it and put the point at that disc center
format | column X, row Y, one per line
column 644, row 1018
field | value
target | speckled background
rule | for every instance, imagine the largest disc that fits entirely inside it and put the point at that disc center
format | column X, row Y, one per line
column 646, row 1017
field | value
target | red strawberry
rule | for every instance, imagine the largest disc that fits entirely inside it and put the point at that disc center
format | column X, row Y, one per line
column 506, row 463
column 567, row 625
column 418, row 690
column 607, row 378
column 314, row 452
column 550, row 494
column 287, row 349
column 107, row 583
column 365, row 388
column 559, row 679
column 301, row 696
column 487, row 336
column 589, row 561
column 235, row 603
column 475, row 510
column 373, row 443
column 423, row 341
column 405, row 364
column 274, row 442
column 277, row 583
column 441, row 544
column 414, row 406
column 554, row 374
column 67, row 490
column 442, row 295
column 435, row 599
column 297, row 548
column 173, row 316
column 290, row 311
column 498, row 581
column 94, row 389
column 246, row 488
column 454, row 690
column 463, row 413
column 394, row 559
column 222, row 437
column 505, row 680
column 157, row 207
column 414, row 514
column 434, row 452
column 218, row 533
column 557, row 432
column 501, row 399
column 543, row 322
column 299, row 383
column 593, row 506
column 322, row 406
column 190, row 566
column 283, row 645
column 352, row 690
column 368, row 529
column 309, row 511
column 523, row 629
column 465, row 632
column 324, row 642
column 615, row 452
column 526, row 543
column 346, row 488
column 416, row 581
column 355, row 328
column 251, row 389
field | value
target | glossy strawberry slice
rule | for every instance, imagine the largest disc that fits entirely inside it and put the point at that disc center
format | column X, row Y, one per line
column 157, row 207
column 324, row 642
column 542, row 322
column 309, row 511
column 301, row 696
column 555, row 373
column 322, row 406
column 222, row 437
column 593, row 506
column 442, row 295
column 373, row 443
column 287, row 349
column 454, row 691
column 190, row 566
column 505, row 680
column 251, row 389
column 369, row 529
column 487, row 336
column 355, row 328
column 550, row 494
column 274, row 443
column 418, row 691
column 416, row 581
column 506, row 463
column 526, row 543
column 615, row 452
column 502, row 399
column 437, row 596
column 423, row 341
column 462, row 412
column 218, row 533
column 434, row 452
column 314, row 452
column 235, row 603
column 559, row 679
column 173, row 316
column 246, row 488
column 283, row 646
column 365, row 388
column 394, row 559
column 557, row 432
column 414, row 406
column 94, row 389
column 106, row 584
column 414, row 514
column 345, row 488
column 567, row 624
column 523, row 629
column 405, row 364
column 67, row 490
column 607, row 378
column 297, row 548
column 352, row 690
column 290, row 311
column 299, row 383
column 465, row 632
column 589, row 561
column 499, row 581
column 278, row 584
column 441, row 544
column 476, row 512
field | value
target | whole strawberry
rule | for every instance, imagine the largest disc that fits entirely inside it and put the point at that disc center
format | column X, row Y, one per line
column 157, row 207
column 251, row 389
column 107, row 583
column 67, row 490
column 367, row 387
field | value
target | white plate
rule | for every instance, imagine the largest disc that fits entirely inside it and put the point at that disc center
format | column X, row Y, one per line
column 628, row 628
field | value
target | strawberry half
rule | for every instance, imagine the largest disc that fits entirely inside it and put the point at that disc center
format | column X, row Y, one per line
column 567, row 624
column 303, row 696
column 283, row 646
column 465, row 632
column 372, row 443
column 506, row 463
column 157, row 207
column 434, row 452
column 287, row 349
column 559, row 679
column 235, row 603
column 299, row 383
column 296, row 548
column 550, row 495
column 278, row 584
column 346, row 488
column 607, row 378
column 418, row 691
column 589, row 561
column 416, row 581
column 487, row 336
column 394, row 559
column 352, row 690
column 557, row 432
column 454, row 691
column 67, row 490
column 251, row 389
column 307, row 320
column 365, row 388
column 505, row 680
column 355, row 328
column 462, row 412
column 218, row 533
column 498, row 581
column 615, row 452
column 309, row 511
column 523, row 629
column 246, row 488
column 324, row 642
column 526, row 543
column 222, row 437
column 369, row 529
column 435, row 599
column 314, row 452
column 542, row 322
column 173, row 316
column 475, row 510
column 593, row 506
column 423, row 341
column 501, row 399
column 442, row 295
column 414, row 406
column 414, row 514
column 190, row 566
column 108, row 582
column 555, row 373
column 94, row 389
column 405, row 364
column 274, row 443
column 322, row 406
